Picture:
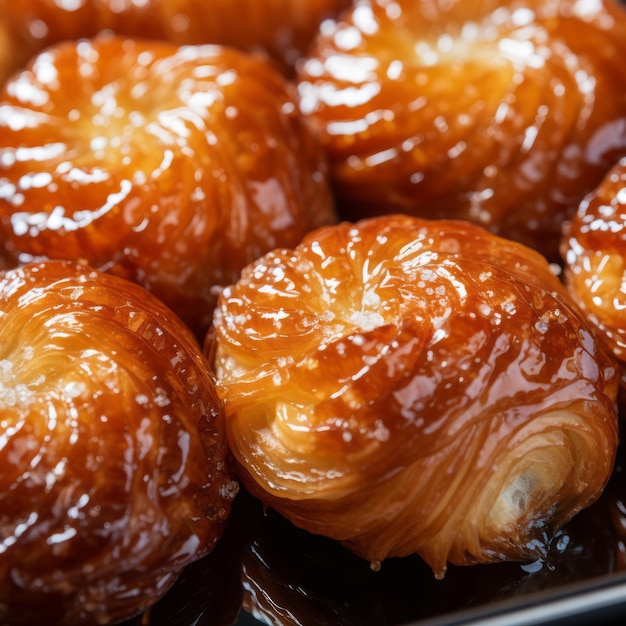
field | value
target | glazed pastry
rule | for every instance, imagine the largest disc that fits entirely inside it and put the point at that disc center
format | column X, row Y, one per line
column 172, row 167
column 281, row 29
column 502, row 113
column 113, row 454
column 594, row 253
column 415, row 386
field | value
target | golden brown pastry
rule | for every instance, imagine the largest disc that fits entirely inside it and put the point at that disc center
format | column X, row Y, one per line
column 172, row 167
column 281, row 29
column 502, row 113
column 113, row 453
column 594, row 253
column 414, row 386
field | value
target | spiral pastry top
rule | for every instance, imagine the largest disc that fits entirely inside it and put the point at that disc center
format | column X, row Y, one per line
column 502, row 113
column 406, row 385
column 113, row 452
column 594, row 253
column 173, row 167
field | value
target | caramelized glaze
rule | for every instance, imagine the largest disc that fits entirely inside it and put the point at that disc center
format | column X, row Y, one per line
column 594, row 253
column 502, row 113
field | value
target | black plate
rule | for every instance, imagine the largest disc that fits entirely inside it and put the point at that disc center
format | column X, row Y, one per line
column 266, row 567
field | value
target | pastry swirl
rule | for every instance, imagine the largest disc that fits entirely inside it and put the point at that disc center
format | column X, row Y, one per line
column 170, row 166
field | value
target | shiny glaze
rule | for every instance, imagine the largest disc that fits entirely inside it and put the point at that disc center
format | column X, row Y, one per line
column 594, row 252
column 405, row 385
column 502, row 113
column 172, row 167
column 112, row 448
column 281, row 29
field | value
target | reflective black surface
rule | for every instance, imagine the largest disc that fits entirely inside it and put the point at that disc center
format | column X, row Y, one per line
column 266, row 567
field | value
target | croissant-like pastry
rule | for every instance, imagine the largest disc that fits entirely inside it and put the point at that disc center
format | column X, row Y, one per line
column 594, row 254
column 414, row 386
column 173, row 167
column 113, row 453
column 281, row 29
column 502, row 113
